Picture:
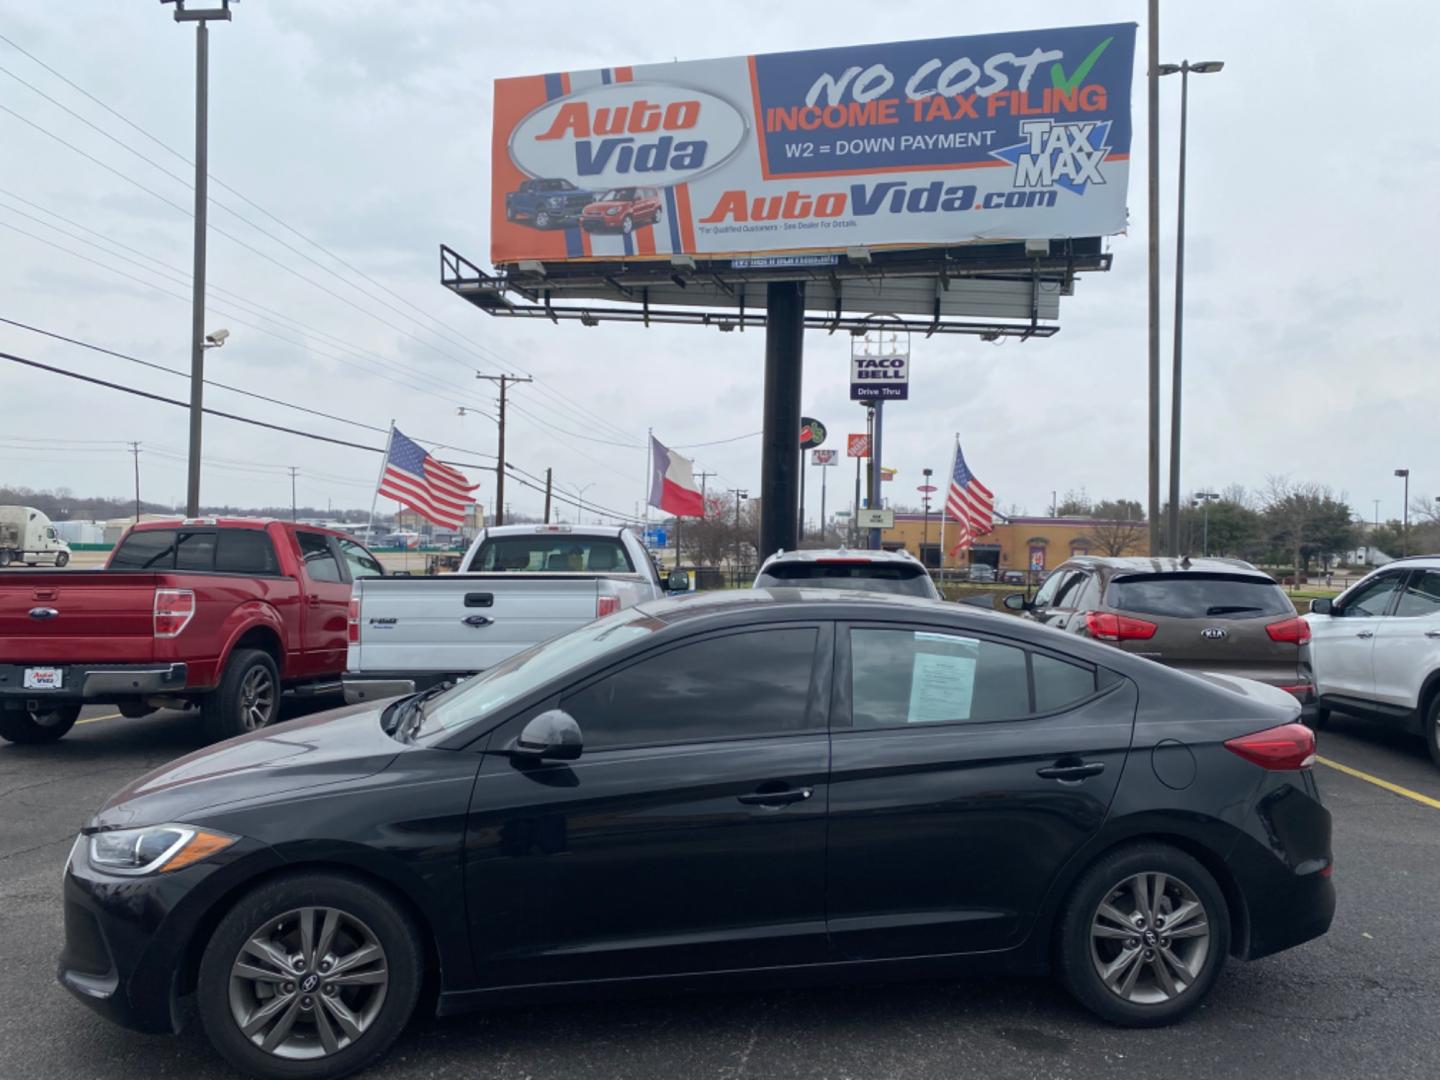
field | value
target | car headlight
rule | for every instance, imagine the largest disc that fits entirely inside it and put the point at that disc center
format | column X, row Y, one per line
column 556, row 200
column 613, row 210
column 155, row 848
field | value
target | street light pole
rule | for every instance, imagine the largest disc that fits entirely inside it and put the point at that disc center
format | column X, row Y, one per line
column 925, row 542
column 1206, row 497
column 1405, row 521
column 197, row 300
column 1205, row 67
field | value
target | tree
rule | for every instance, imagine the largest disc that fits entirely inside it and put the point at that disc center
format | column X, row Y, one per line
column 1234, row 530
column 715, row 538
column 1116, row 537
column 1305, row 520
column 1118, row 510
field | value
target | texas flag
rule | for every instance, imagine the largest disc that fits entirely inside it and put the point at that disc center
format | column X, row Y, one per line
column 672, row 483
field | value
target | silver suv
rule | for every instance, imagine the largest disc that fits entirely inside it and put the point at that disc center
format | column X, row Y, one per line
column 896, row 572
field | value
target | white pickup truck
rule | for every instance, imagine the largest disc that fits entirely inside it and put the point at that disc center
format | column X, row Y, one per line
column 518, row 585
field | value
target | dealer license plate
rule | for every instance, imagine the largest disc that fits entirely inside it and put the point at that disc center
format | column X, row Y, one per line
column 44, row 678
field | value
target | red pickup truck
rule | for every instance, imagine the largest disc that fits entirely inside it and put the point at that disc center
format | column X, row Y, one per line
column 223, row 614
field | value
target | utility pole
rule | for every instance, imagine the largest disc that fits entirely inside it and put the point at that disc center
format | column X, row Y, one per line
column 505, row 382
column 135, row 449
column 704, row 476
column 202, row 199
column 738, row 496
column 548, row 488
column 1152, row 150
column 293, row 513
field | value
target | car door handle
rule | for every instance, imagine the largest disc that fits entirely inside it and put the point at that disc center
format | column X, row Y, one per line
column 1366, row 633
column 776, row 798
column 1077, row 770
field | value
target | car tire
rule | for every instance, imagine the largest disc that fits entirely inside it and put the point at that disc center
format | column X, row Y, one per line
column 247, row 699
column 62, row 558
column 627, row 225
column 1145, row 991
column 5, row 557
column 1432, row 728
column 542, row 219
column 39, row 727
column 360, row 1020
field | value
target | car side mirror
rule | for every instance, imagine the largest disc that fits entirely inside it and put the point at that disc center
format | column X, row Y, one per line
column 553, row 734
column 677, row 581
column 1016, row 602
column 1323, row 606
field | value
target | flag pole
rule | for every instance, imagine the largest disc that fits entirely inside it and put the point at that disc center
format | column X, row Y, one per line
column 649, row 470
column 384, row 460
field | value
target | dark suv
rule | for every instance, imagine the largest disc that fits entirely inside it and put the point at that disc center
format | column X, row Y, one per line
column 1219, row 615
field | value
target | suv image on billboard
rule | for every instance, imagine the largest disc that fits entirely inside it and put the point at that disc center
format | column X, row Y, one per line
column 622, row 209
column 546, row 204
column 1213, row 615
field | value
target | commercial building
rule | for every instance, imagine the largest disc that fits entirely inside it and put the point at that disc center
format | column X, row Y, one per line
column 1020, row 543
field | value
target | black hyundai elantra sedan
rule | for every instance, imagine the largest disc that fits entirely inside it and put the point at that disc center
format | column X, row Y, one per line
column 745, row 788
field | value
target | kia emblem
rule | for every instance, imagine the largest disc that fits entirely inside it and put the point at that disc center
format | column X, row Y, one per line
column 1214, row 633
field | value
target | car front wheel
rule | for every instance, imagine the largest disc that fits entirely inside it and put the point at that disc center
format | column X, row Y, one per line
column 1144, row 936
column 309, row 976
column 1432, row 728
column 542, row 219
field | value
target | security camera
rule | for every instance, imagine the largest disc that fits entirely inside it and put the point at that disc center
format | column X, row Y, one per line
column 216, row 338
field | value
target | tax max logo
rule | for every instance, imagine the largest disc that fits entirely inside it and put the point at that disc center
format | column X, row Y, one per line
column 1058, row 155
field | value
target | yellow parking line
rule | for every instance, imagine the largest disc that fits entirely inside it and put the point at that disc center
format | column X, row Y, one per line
column 1424, row 800
column 93, row 719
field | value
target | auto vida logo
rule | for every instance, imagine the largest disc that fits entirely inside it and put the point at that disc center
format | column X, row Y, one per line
column 1214, row 633
column 635, row 133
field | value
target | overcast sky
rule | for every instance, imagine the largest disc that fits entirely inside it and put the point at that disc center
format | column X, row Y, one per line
column 365, row 125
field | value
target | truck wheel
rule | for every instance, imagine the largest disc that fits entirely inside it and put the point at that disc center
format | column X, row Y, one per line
column 247, row 699
column 40, row 726
column 62, row 558
column 5, row 556
column 542, row 219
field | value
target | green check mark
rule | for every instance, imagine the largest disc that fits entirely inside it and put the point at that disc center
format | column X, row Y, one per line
column 1058, row 78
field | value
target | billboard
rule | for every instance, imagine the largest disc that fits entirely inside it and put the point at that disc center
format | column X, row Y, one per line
column 857, row 446
column 880, row 376
column 824, row 457
column 1022, row 135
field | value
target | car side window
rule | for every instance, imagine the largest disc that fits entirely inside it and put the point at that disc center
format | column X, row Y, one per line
column 1372, row 599
column 195, row 551
column 733, row 686
column 359, row 561
column 319, row 560
column 1046, row 596
column 900, row 677
column 245, row 551
column 1069, row 594
column 1421, row 596
column 1087, row 594
column 1059, row 682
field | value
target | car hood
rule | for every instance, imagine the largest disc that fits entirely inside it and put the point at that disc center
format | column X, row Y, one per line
column 328, row 748
column 601, row 207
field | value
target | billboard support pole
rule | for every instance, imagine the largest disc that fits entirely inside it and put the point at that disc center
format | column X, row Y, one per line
column 853, row 530
column 802, row 496
column 784, row 349
column 876, row 478
column 822, row 503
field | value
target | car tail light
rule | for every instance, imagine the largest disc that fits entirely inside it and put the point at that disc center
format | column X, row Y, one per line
column 1294, row 631
column 174, row 608
column 1108, row 626
column 1284, row 748
column 1300, row 690
column 352, row 622
column 606, row 605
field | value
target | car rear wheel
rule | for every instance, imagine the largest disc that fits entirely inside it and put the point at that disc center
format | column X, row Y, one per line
column 627, row 225
column 37, row 726
column 542, row 219
column 1144, row 936
column 309, row 976
column 247, row 699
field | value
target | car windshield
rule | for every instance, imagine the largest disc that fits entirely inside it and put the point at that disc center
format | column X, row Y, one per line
column 619, row 194
column 478, row 697
column 899, row 578
column 555, row 185
column 553, row 552
column 1198, row 596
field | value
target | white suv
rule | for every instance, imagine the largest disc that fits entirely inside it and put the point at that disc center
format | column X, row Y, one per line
column 1375, row 648
column 874, row 571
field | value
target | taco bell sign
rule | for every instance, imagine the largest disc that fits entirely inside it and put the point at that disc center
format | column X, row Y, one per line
column 880, row 377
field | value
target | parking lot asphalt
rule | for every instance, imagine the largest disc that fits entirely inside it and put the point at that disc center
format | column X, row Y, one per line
column 1359, row 1002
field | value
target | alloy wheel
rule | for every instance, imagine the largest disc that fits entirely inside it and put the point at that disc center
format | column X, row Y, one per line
column 308, row 984
column 257, row 699
column 1149, row 938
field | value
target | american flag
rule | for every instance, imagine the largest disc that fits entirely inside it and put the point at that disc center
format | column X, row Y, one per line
column 969, row 503
column 413, row 478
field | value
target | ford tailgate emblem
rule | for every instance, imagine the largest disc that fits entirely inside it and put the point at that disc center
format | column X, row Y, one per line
column 1214, row 633
column 43, row 613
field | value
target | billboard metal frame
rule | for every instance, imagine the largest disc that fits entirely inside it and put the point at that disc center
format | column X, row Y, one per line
column 620, row 291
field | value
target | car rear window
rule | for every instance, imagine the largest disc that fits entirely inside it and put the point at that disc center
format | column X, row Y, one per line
column 900, row 578
column 553, row 553
column 153, row 549
column 232, row 551
column 1198, row 596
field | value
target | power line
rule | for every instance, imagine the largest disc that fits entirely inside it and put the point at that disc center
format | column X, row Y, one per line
column 454, row 334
